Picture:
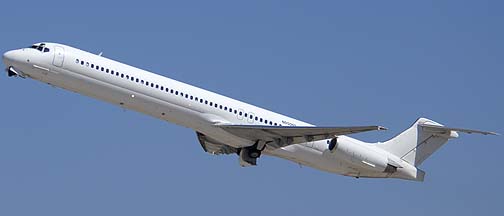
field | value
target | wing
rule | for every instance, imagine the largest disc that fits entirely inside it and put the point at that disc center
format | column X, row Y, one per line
column 280, row 136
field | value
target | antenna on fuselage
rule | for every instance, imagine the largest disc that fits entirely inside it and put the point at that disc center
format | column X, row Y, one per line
column 101, row 53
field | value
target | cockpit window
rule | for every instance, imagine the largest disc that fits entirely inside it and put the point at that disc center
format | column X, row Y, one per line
column 40, row 47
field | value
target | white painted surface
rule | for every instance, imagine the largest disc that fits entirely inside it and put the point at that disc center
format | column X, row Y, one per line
column 70, row 68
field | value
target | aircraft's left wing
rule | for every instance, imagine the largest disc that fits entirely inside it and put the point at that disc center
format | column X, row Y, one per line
column 280, row 136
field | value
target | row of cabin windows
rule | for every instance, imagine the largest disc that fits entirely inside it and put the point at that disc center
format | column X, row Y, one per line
column 175, row 92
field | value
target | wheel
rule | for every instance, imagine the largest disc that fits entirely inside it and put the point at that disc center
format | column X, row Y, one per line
column 254, row 154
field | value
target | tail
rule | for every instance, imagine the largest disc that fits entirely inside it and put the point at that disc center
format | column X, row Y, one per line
column 421, row 140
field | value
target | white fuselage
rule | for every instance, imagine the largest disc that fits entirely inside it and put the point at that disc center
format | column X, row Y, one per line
column 177, row 102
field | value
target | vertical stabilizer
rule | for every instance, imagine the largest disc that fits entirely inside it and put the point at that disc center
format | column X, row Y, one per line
column 417, row 143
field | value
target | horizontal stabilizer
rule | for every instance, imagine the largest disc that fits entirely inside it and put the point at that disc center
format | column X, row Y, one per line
column 437, row 128
column 422, row 139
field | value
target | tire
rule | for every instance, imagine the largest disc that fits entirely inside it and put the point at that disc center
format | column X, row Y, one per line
column 254, row 154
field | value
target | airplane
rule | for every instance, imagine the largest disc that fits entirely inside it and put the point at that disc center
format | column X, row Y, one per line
column 226, row 126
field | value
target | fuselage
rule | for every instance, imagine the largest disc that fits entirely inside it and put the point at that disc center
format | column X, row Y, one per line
column 173, row 101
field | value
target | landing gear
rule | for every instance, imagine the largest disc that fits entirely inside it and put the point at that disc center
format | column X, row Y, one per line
column 254, row 153
column 11, row 72
column 249, row 155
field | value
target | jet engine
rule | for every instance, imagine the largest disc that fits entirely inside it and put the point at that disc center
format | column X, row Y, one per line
column 359, row 155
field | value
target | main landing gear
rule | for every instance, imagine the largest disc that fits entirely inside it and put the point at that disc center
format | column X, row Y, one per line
column 249, row 155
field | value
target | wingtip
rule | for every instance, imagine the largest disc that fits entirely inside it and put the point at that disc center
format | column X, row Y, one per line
column 382, row 128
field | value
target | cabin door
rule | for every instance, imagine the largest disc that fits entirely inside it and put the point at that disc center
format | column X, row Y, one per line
column 59, row 56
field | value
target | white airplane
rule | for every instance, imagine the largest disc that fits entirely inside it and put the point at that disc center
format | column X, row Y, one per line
column 227, row 126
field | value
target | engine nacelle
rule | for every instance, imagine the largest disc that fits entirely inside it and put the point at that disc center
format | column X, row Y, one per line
column 358, row 154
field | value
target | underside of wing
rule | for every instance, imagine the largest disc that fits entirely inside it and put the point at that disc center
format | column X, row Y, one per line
column 280, row 136
column 214, row 147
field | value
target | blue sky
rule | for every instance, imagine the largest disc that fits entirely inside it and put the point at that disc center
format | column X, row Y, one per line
column 325, row 62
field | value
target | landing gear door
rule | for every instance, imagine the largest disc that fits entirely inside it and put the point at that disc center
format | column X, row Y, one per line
column 59, row 56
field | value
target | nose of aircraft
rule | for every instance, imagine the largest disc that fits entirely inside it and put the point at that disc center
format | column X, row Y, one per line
column 9, row 56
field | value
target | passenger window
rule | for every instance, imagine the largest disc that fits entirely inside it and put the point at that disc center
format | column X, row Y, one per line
column 260, row 120
column 216, row 105
column 235, row 111
column 147, row 83
column 225, row 108
column 112, row 72
column 136, row 80
column 107, row 70
column 176, row 92
column 142, row 82
column 211, row 104
column 82, row 62
column 46, row 49
column 132, row 78
column 206, row 102
column 191, row 97
column 102, row 69
column 171, row 91
column 162, row 88
column 77, row 61
column 241, row 113
column 117, row 73
column 220, row 106
column 87, row 64
column 122, row 75
column 256, row 118
column 152, row 85
column 246, row 115
column 92, row 65
column 201, row 100
column 157, row 86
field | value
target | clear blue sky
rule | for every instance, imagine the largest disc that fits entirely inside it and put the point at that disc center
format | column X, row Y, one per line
column 358, row 63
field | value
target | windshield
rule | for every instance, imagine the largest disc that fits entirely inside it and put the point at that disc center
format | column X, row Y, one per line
column 40, row 47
